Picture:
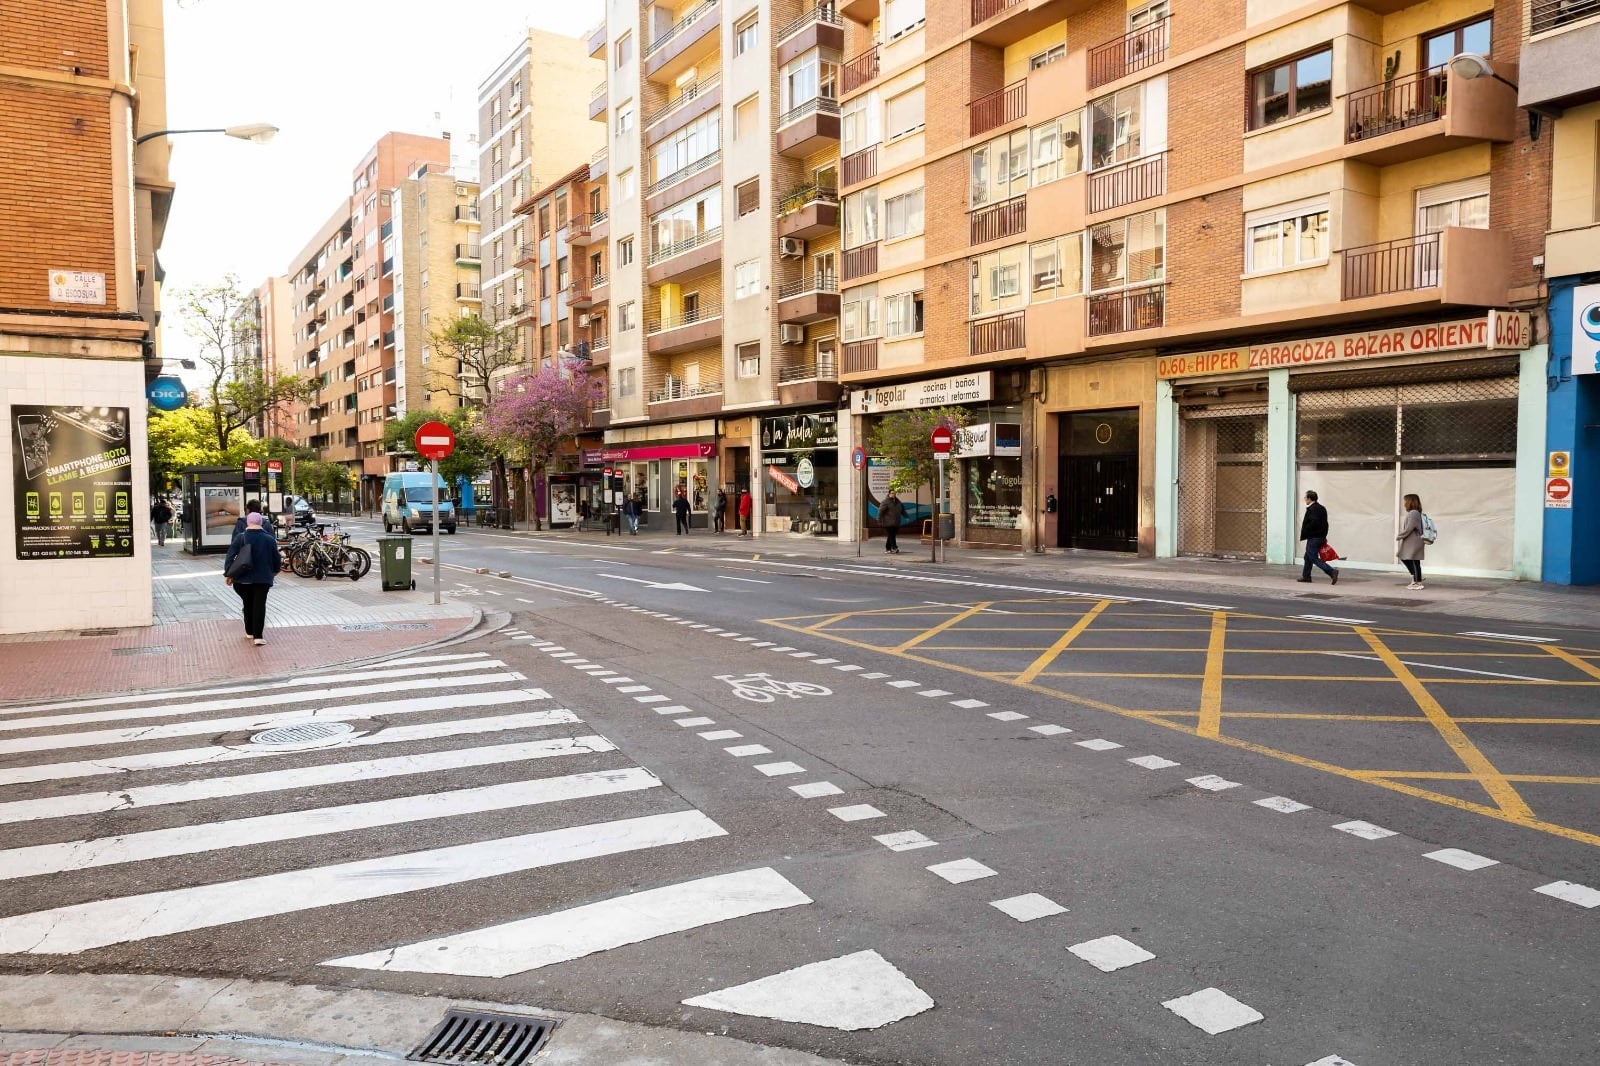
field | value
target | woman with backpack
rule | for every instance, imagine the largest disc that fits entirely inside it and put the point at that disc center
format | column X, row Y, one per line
column 1412, row 542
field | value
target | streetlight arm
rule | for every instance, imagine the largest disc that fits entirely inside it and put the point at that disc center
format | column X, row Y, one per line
column 168, row 133
column 258, row 132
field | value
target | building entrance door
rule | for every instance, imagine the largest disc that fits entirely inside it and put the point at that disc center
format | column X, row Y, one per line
column 1099, row 478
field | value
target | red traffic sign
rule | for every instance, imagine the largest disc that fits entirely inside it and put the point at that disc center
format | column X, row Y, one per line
column 434, row 440
column 858, row 458
column 942, row 440
column 252, row 467
column 1558, row 488
column 274, row 466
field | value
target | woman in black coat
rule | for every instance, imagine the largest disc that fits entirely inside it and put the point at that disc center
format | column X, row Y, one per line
column 252, row 578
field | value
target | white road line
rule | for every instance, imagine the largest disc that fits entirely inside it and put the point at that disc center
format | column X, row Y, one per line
column 1098, row 745
column 1213, row 1010
column 82, row 927
column 816, row 789
column 1213, row 783
column 848, row 668
column 932, row 692
column 739, row 751
column 859, row 812
column 1028, row 907
column 676, row 708
column 1365, row 830
column 658, row 698
column 531, row 943
column 721, row 734
column 142, row 796
column 904, row 684
column 1007, row 716
column 858, row 991
column 1335, row 618
column 1111, row 953
column 1568, row 892
column 751, row 580
column 688, row 722
column 617, row 680
column 1282, row 804
column 823, row 662
column 779, row 769
column 1508, row 636
column 1461, row 860
column 1049, row 730
column 961, row 870
column 214, row 726
column 1331, row 1060
column 910, row 840
column 762, row 644
column 784, row 647
column 968, row 705
column 1437, row 666
column 802, row 655
column 324, row 821
column 630, row 689
column 1153, row 762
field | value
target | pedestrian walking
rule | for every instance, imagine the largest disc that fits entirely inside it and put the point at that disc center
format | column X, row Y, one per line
column 1314, row 531
column 680, row 509
column 1411, row 540
column 252, row 507
column 253, row 562
column 747, row 508
column 630, row 511
column 720, row 521
column 161, row 518
column 891, row 513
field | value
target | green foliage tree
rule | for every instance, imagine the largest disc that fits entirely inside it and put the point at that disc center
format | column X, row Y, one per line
column 473, row 452
column 904, row 439
column 185, row 437
column 477, row 349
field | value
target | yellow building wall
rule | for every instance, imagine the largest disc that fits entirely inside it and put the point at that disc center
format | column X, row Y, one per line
column 1017, row 55
column 1398, row 185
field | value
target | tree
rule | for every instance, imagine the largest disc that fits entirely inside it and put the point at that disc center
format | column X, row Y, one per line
column 904, row 439
column 473, row 451
column 538, row 412
column 480, row 350
column 238, row 393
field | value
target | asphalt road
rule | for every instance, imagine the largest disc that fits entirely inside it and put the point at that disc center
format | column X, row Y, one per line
column 1195, row 816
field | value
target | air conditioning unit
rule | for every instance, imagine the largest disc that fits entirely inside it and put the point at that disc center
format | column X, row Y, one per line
column 791, row 247
column 583, row 321
column 789, row 334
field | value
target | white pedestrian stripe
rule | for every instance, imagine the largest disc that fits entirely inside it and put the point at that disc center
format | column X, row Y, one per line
column 875, row 676
column 960, row 870
column 617, row 681
column 532, row 943
column 824, row 662
column 910, row 840
column 1099, row 745
column 1213, row 783
column 1028, row 907
column 1282, row 804
column 297, row 825
column 1110, row 953
column 1007, row 716
column 82, row 927
column 1213, row 1010
column 859, row 991
column 1049, row 730
column 815, row 789
column 860, row 812
column 1461, row 860
column 29, row 810
column 1568, row 892
column 803, row 655
column 779, row 769
column 741, row 750
column 1152, row 762
column 676, row 708
column 968, row 705
column 1365, row 830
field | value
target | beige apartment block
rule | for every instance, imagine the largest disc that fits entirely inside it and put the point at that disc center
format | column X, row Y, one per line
column 533, row 126
column 436, row 279
column 1183, row 259
column 272, row 312
column 85, row 207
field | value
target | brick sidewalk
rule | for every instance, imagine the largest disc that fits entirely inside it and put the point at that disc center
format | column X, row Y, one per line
column 98, row 1057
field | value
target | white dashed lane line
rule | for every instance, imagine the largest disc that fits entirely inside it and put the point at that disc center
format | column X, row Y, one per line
column 1282, row 804
column 961, row 870
column 1213, row 783
column 858, row 812
column 1152, row 762
column 815, row 789
column 1028, row 907
column 1365, row 830
column 1111, row 953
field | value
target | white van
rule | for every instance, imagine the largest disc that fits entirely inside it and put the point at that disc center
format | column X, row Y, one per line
column 408, row 504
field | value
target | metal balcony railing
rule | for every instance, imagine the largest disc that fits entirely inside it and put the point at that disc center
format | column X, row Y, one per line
column 467, row 292
column 1410, row 100
column 799, row 199
column 1009, row 104
column 466, row 214
column 984, row 10
column 699, row 315
column 1401, row 265
column 1133, row 51
column 468, row 251
column 823, row 368
column 709, row 160
column 859, row 262
column 1005, row 219
column 818, row 105
column 859, row 69
column 1546, row 15
column 1128, row 183
column 599, row 280
column 597, row 92
column 603, row 153
column 687, row 244
column 1000, row 333
column 803, row 286
column 685, row 94
column 678, row 27
column 1131, row 309
column 860, row 356
column 859, row 166
column 823, row 12
column 669, row 388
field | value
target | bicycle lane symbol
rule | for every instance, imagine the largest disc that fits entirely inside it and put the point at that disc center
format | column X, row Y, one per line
column 763, row 688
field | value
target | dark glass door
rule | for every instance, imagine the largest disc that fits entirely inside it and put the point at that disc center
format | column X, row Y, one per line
column 1099, row 507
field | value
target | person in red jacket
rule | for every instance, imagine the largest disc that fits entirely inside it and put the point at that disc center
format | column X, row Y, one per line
column 747, row 507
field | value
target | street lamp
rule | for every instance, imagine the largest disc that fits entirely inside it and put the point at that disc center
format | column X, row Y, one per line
column 255, row 132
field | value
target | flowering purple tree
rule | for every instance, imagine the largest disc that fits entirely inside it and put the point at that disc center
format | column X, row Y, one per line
column 535, row 413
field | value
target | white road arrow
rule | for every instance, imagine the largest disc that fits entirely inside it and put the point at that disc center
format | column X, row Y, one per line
column 677, row 586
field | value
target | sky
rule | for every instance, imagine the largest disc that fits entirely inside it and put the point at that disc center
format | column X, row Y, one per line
column 333, row 76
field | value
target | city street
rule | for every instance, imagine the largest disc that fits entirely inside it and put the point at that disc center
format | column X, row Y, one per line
column 884, row 812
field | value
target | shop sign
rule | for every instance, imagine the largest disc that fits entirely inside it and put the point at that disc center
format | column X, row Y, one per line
column 596, row 456
column 1497, row 327
column 805, row 474
column 1586, row 329
column 999, row 439
column 785, row 479
column 939, row 392
column 73, row 477
column 784, row 433
column 1558, row 493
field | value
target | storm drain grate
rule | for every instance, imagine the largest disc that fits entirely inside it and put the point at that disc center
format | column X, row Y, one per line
column 151, row 649
column 473, row 1038
column 302, row 733
column 410, row 625
column 97, row 633
column 361, row 627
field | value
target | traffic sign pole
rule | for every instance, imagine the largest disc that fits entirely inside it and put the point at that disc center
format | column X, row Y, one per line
column 434, row 465
column 942, row 440
column 435, row 441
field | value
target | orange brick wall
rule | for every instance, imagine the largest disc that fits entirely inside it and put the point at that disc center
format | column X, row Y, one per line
column 1205, row 141
column 945, row 298
column 59, row 36
column 944, row 205
column 1194, row 25
column 1205, row 256
column 945, row 99
column 1101, row 23
column 1519, row 173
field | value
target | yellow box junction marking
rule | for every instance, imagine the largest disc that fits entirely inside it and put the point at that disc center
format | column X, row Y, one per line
column 1038, row 665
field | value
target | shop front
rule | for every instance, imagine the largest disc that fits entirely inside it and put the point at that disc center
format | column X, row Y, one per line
column 800, row 472
column 988, row 469
column 654, row 475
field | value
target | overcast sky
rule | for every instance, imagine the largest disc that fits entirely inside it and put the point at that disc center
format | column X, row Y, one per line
column 333, row 76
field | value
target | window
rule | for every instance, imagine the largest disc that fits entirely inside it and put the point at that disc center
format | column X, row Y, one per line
column 745, row 117
column 627, row 184
column 746, row 279
column 744, row 34
column 686, row 146
column 1000, row 169
column 1459, row 203
column 1476, row 37
column 1048, row 56
column 544, row 281
column 902, row 16
column 858, row 123
column 1056, row 267
column 902, row 215
column 859, row 313
column 625, row 251
column 561, row 208
column 624, row 118
column 564, row 333
column 997, row 281
column 1148, row 15
column 805, row 79
column 902, row 315
column 624, row 49
column 563, row 273
column 1128, row 252
column 1297, row 87
column 748, row 196
column 1057, row 148
column 1289, row 236
column 625, row 318
column 627, row 381
column 686, row 219
column 750, row 360
column 1128, row 124
column 861, row 218
column 904, row 114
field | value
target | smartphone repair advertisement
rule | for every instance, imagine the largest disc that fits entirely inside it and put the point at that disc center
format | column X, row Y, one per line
column 74, row 482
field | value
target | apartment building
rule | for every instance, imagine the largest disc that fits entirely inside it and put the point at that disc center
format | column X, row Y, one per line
column 85, row 206
column 532, row 127
column 272, row 313
column 1185, row 260
column 342, row 287
column 1559, row 81
column 723, row 327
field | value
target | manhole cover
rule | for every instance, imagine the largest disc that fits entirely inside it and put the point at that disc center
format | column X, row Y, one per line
column 361, row 627
column 303, row 733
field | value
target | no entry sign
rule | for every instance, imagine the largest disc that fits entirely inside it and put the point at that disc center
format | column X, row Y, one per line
column 942, row 439
column 434, row 440
column 1558, row 492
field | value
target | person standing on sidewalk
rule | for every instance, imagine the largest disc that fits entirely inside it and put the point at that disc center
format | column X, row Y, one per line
column 747, row 508
column 1412, row 546
column 630, row 511
column 161, row 518
column 253, row 579
column 680, row 509
column 1314, row 531
column 720, row 518
column 891, row 514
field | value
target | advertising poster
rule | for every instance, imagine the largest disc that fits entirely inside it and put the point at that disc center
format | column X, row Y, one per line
column 73, row 479
column 220, row 508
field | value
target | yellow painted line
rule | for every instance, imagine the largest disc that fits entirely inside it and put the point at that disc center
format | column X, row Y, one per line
column 1487, row 774
column 1060, row 645
column 1034, row 648
column 1442, row 775
column 1230, row 677
column 1309, row 716
column 953, row 620
column 1567, row 657
column 1211, row 689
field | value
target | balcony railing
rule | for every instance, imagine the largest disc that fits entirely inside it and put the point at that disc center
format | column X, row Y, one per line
column 801, row 286
column 599, row 280
column 466, row 214
column 468, row 251
column 806, row 195
column 860, row 356
column 823, row 12
column 579, row 226
column 1009, row 104
column 984, row 10
column 858, row 70
column 1411, row 100
column 822, row 105
column 1122, row 312
column 597, row 92
column 526, row 254
column 1401, row 265
column 467, row 292
column 1005, row 219
column 671, row 388
column 859, row 262
column 1128, row 183
column 687, row 244
column 602, row 154
column 678, row 27
column 685, row 94
column 704, row 162
column 1000, row 333
column 663, row 323
column 823, row 368
column 600, row 344
column 1546, row 15
column 1133, row 51
column 859, row 166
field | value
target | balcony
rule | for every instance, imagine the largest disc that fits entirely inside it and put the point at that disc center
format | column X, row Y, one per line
column 818, row 27
column 1557, row 61
column 599, row 163
column 580, row 296
column 600, row 351
column 809, row 380
column 1126, row 311
column 808, row 128
column 811, row 299
column 597, row 102
column 1009, row 104
column 859, row 70
column 1128, row 54
column 699, row 398
column 699, row 328
column 527, row 255
column 693, row 100
column 466, row 291
column 1454, row 267
column 704, row 163
column 1005, row 219
column 600, row 287
column 691, row 253
column 468, row 255
column 581, row 231
column 1005, row 22
column 596, row 37
column 859, row 357
column 808, row 211
column 683, row 44
column 820, row 367
column 858, row 167
column 1425, row 113
column 859, row 262
column 1128, row 183
column 466, row 213
column 1000, row 333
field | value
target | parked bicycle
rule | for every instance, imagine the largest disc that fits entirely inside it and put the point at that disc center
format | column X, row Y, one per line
column 317, row 553
column 763, row 688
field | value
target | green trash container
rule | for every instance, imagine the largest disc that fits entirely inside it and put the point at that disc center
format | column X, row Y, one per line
column 394, row 561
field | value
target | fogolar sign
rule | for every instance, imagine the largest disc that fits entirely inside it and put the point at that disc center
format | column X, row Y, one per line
column 1498, row 330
